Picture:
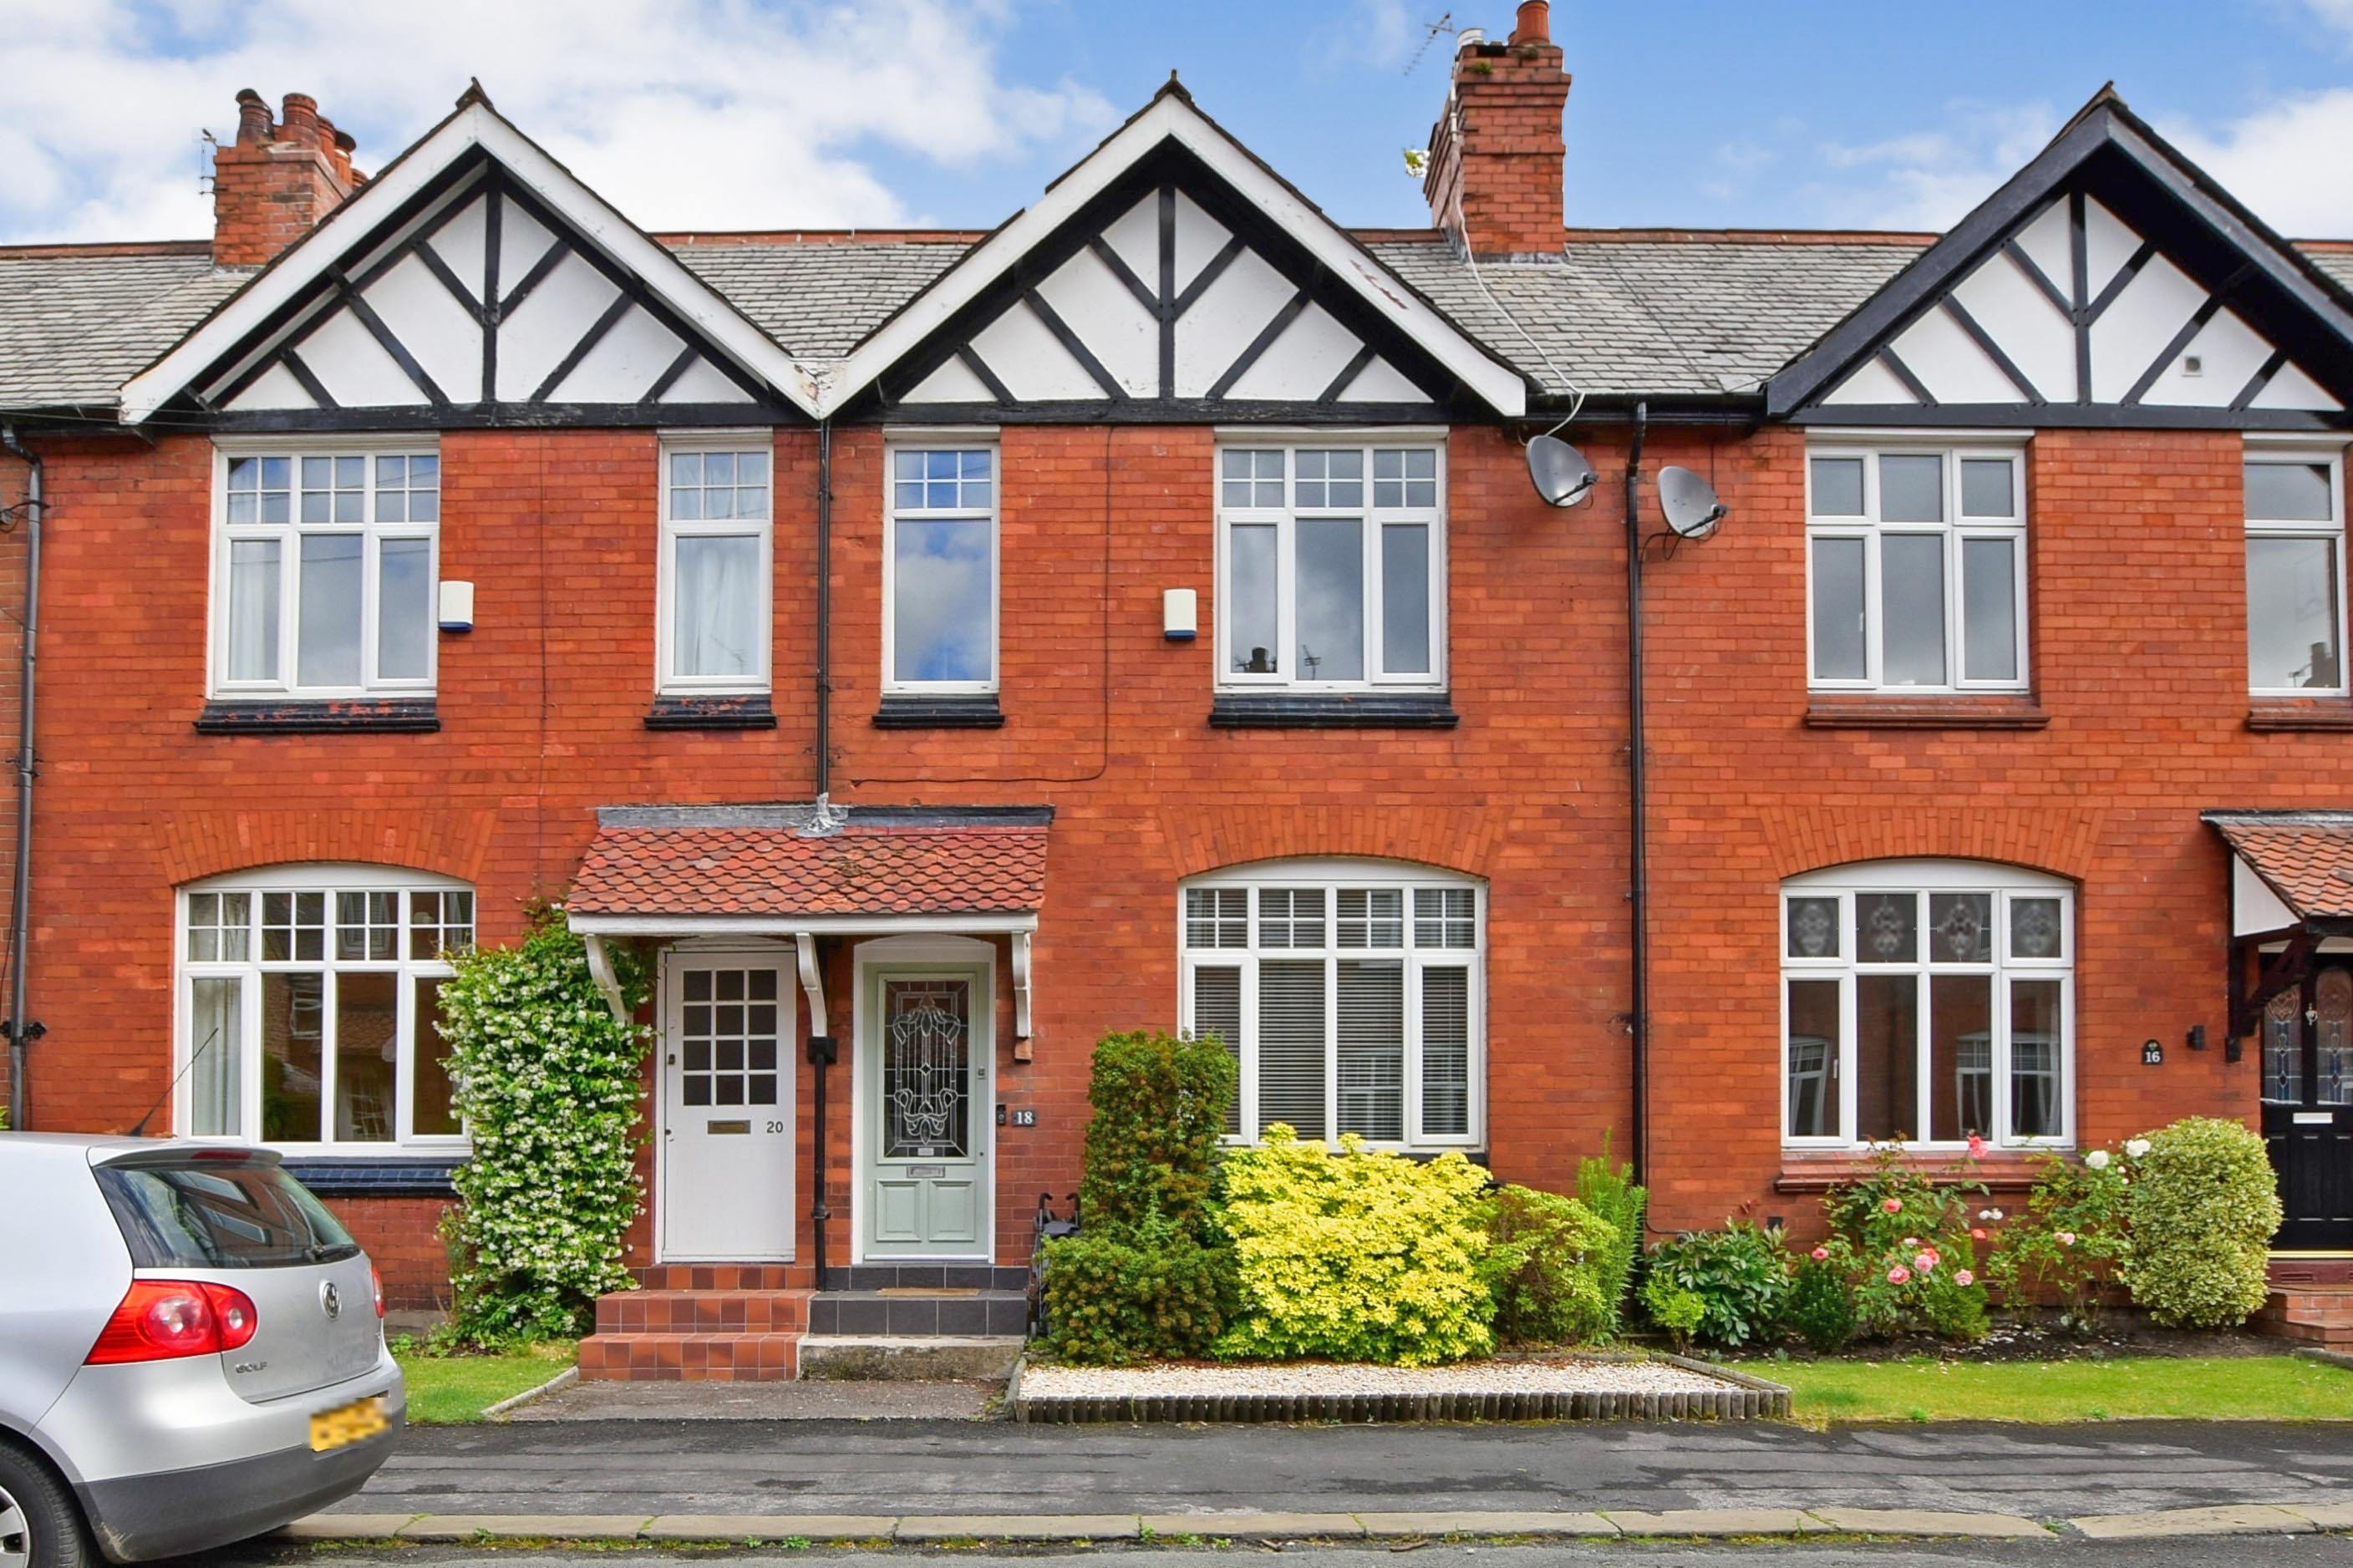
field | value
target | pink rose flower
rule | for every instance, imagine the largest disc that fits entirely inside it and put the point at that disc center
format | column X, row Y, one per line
column 1910, row 1241
column 1821, row 1255
column 2066, row 1238
column 1933, row 1256
column 1976, row 1147
column 1963, row 1278
column 1924, row 1260
column 1976, row 1232
column 1893, row 1206
column 1899, row 1275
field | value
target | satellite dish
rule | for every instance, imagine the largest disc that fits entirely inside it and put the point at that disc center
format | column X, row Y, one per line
column 1560, row 472
column 1689, row 502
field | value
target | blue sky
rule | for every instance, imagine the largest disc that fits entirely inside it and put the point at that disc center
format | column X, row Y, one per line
column 758, row 113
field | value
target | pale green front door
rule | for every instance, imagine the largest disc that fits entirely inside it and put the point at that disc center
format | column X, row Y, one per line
column 927, row 1113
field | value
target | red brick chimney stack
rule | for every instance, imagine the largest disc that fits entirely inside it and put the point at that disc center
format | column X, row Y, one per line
column 275, row 182
column 1494, row 180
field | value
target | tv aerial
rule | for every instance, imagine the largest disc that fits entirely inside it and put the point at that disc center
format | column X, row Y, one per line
column 1431, row 32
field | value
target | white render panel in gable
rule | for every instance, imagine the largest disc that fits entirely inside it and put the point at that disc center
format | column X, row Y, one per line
column 2137, row 324
column 1199, row 238
column 354, row 368
column 2228, row 352
column 1871, row 383
column 273, row 388
column 1030, row 360
column 953, row 381
column 2291, row 388
column 458, row 243
column 2039, row 339
column 2107, row 245
column 2047, row 244
column 2254, row 907
column 522, row 240
column 621, row 368
column 1134, row 237
column 1226, row 320
column 553, row 318
column 1113, row 323
column 1381, row 382
column 1297, row 367
column 1950, row 364
column 436, row 330
column 704, row 382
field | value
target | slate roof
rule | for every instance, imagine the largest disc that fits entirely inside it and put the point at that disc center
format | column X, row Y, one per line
column 818, row 299
column 2306, row 857
column 76, row 324
column 774, row 870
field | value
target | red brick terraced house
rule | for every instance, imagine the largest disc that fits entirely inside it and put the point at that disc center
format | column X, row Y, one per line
column 938, row 649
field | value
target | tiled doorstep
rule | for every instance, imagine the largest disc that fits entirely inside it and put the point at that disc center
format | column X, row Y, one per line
column 2265, row 1519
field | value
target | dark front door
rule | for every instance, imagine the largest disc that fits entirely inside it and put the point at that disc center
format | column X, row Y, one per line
column 2307, row 1040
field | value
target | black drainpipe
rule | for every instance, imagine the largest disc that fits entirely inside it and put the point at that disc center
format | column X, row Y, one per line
column 21, row 901
column 1637, row 896
column 821, row 1047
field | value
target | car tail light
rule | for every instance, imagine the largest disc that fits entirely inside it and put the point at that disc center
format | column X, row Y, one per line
column 375, row 1282
column 161, row 1320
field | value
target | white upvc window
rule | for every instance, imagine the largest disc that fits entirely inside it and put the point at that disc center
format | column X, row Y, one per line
column 2296, row 570
column 940, row 568
column 324, row 564
column 308, row 997
column 1929, row 1000
column 712, row 635
column 1916, row 568
column 1351, row 993
column 1332, row 563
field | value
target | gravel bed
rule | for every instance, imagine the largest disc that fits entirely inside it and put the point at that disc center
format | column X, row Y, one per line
column 1568, row 1374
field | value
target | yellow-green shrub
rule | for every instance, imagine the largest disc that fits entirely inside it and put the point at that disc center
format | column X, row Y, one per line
column 1546, row 1258
column 2203, row 1207
column 1356, row 1256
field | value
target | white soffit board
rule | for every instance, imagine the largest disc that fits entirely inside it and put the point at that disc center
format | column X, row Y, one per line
column 2034, row 332
column 2228, row 353
column 1871, row 383
column 2137, row 325
column 273, row 388
column 1227, row 319
column 2291, row 388
column 1299, row 364
column 431, row 325
column 2046, row 243
column 1950, row 364
column 623, row 364
column 552, row 317
column 1135, row 237
column 2254, row 907
column 1030, row 360
column 1380, row 382
column 354, row 368
column 1113, row 324
column 953, row 381
column 2107, row 245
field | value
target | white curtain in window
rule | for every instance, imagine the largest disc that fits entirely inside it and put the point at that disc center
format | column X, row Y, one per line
column 215, row 1045
column 253, row 566
column 717, row 617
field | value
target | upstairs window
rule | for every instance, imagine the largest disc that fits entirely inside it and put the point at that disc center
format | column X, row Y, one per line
column 1917, row 570
column 324, row 569
column 939, row 566
column 716, row 570
column 1332, row 566
column 2295, row 574
column 1350, row 994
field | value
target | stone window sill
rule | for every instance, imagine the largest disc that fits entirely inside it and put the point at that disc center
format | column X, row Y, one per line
column 1874, row 712
column 1334, row 711
column 909, row 711
column 397, row 715
column 2295, row 713
column 749, row 711
column 2003, row 1170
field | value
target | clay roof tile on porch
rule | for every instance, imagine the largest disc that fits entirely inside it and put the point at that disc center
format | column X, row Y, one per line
column 2304, row 857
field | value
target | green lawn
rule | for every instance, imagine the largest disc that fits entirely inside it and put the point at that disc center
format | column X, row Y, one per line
column 2280, row 1388
column 453, row 1389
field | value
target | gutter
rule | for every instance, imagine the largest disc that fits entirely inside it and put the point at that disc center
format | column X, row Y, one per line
column 1637, row 892
column 20, row 903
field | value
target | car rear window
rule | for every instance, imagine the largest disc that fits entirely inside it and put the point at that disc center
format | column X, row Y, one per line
column 203, row 1214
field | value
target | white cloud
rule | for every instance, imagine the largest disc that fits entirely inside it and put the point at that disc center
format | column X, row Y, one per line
column 1927, row 179
column 705, row 113
column 2287, row 161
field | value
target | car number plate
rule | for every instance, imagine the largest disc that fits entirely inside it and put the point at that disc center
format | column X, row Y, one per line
column 348, row 1423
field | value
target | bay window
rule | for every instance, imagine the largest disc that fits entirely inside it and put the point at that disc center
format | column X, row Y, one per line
column 939, row 571
column 1916, row 569
column 307, row 999
column 2295, row 574
column 1332, row 566
column 716, row 570
column 325, row 570
column 1927, row 1001
column 1350, row 995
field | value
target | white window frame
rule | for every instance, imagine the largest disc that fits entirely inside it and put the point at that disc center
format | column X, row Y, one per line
column 1955, row 532
column 668, row 681
column 329, row 880
column 2333, row 532
column 289, row 535
column 1285, row 519
column 1923, row 879
column 1331, row 875
column 942, row 441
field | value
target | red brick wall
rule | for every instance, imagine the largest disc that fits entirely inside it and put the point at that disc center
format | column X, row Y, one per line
column 402, row 1240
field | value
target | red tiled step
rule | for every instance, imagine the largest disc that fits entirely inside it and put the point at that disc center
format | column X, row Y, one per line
column 2318, row 1316
column 704, row 1311
column 689, row 1358
column 726, row 1277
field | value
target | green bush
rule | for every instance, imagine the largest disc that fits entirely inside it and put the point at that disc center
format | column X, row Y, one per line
column 548, row 1083
column 1819, row 1308
column 1677, row 1311
column 1543, row 1266
column 2203, row 1209
column 2068, row 1240
column 1356, row 1256
column 1159, row 1109
column 1111, row 1301
column 1739, row 1274
column 1608, row 1190
column 1908, row 1246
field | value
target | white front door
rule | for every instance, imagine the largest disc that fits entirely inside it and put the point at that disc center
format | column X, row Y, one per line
column 727, row 1175
column 924, row 1055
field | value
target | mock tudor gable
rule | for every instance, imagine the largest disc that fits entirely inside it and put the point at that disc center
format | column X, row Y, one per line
column 2110, row 282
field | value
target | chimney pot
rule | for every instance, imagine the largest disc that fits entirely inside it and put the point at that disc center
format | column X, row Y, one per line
column 253, row 125
column 1534, row 23
column 300, row 119
column 274, row 183
column 1494, row 181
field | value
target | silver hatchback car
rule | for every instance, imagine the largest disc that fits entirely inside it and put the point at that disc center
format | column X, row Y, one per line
column 191, row 1350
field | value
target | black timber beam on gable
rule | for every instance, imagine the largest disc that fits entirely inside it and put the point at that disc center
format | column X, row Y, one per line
column 503, row 416
column 1167, row 411
column 2064, row 417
